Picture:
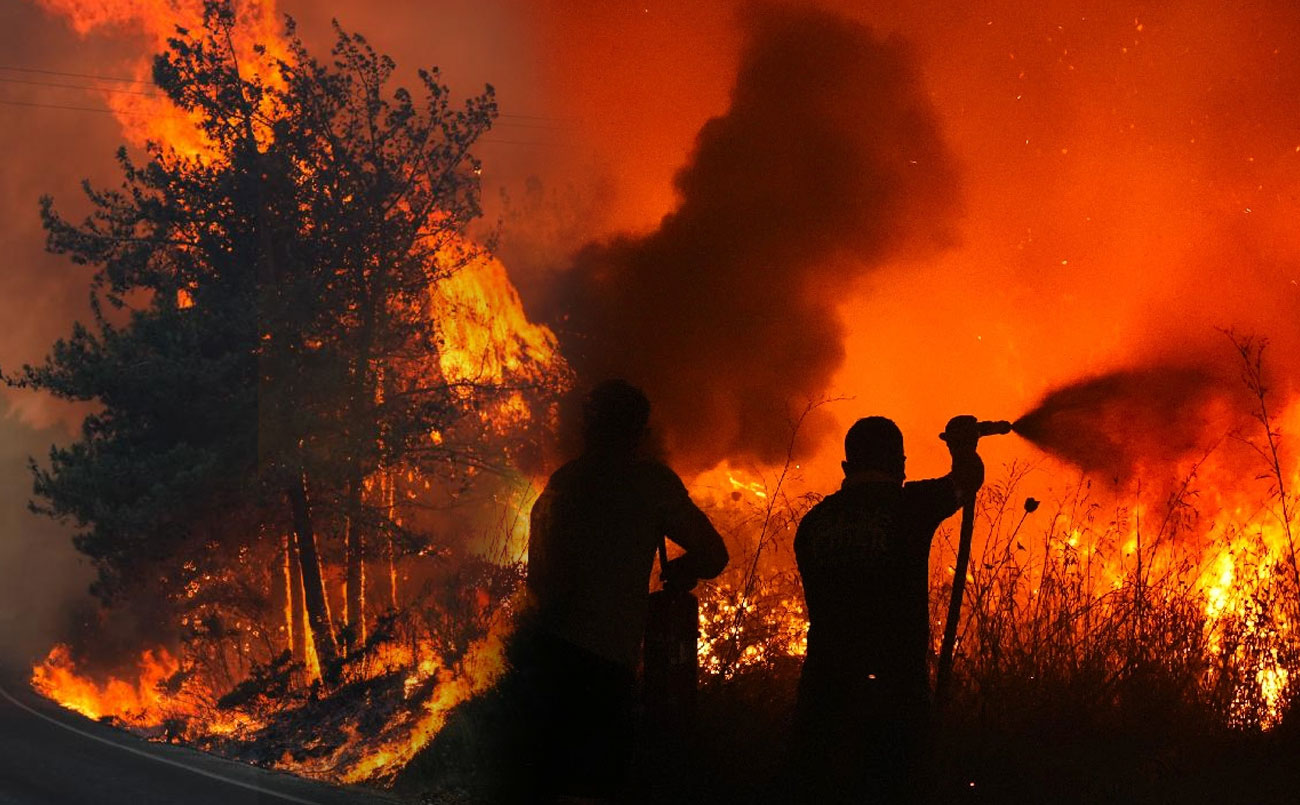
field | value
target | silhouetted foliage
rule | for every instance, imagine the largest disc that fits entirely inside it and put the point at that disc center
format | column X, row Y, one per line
column 263, row 337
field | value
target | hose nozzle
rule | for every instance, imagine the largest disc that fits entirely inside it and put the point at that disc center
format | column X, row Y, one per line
column 993, row 427
column 970, row 427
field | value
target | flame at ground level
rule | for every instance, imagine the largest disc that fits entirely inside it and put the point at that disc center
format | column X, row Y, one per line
column 1213, row 563
column 1078, row 576
column 476, row 672
column 158, row 704
column 139, row 702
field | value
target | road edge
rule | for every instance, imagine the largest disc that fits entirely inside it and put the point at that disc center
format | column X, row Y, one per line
column 374, row 796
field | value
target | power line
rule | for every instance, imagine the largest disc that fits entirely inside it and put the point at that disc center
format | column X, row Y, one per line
column 73, row 75
column 58, row 106
column 80, row 87
column 537, row 117
column 141, row 93
column 520, row 142
column 531, row 126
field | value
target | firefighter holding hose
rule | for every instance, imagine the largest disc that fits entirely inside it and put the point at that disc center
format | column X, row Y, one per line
column 863, row 714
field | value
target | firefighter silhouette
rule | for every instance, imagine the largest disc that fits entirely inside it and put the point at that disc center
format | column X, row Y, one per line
column 862, row 718
column 595, row 531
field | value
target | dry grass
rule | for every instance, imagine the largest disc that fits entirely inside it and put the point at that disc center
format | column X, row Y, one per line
column 1115, row 645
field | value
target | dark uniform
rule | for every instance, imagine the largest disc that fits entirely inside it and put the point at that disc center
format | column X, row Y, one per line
column 594, row 534
column 863, row 708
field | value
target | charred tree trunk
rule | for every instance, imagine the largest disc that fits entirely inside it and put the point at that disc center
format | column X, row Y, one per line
column 313, row 585
column 392, row 575
column 354, row 589
column 365, row 387
column 281, row 623
column 297, row 608
column 390, row 553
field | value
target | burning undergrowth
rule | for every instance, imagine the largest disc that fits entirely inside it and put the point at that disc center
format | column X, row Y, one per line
column 395, row 692
column 366, row 730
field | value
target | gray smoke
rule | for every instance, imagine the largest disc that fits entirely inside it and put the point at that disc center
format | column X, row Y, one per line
column 828, row 162
column 41, row 575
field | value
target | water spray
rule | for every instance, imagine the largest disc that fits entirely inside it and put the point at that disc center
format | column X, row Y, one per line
column 1105, row 424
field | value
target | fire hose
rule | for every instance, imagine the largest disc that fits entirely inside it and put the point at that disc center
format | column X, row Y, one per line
column 943, row 676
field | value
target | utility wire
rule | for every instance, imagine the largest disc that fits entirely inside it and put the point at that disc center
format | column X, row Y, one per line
column 73, row 75
column 31, row 83
column 59, row 106
column 539, row 144
column 142, row 93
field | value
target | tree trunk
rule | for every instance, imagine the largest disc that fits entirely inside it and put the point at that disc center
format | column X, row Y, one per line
column 297, row 608
column 364, row 392
column 281, row 625
column 313, row 585
column 392, row 575
column 390, row 554
column 354, row 585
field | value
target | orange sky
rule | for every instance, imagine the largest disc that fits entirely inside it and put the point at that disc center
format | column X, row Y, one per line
column 1129, row 176
column 1128, row 173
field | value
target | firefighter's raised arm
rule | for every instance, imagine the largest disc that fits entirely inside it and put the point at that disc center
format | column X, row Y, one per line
column 962, row 437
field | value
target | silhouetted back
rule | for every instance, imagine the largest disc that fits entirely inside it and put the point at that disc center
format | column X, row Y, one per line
column 595, row 530
column 863, row 715
column 862, row 554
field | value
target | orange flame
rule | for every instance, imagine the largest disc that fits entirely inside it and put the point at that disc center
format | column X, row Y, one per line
column 141, row 702
column 151, row 116
column 484, row 332
column 477, row 671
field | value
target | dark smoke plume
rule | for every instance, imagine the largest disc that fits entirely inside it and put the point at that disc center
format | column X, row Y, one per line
column 827, row 163
column 1122, row 422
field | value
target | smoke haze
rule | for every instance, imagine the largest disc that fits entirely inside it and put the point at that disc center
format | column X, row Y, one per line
column 827, row 162
column 1128, row 180
column 41, row 574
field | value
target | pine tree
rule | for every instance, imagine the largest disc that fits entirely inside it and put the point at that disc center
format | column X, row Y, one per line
column 262, row 339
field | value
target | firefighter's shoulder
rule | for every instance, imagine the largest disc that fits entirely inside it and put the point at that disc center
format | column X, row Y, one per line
column 659, row 477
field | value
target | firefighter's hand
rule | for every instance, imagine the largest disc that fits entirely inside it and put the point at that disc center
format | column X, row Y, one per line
column 962, row 434
column 678, row 575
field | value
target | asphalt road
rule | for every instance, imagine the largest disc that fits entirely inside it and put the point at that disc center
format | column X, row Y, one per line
column 49, row 756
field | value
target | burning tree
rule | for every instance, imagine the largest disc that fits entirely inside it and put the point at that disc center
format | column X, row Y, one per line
column 283, row 352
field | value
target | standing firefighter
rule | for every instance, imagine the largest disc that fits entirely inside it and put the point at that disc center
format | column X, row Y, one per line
column 863, row 715
column 595, row 532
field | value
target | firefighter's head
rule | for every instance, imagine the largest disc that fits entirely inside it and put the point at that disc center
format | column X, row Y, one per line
column 614, row 417
column 874, row 445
